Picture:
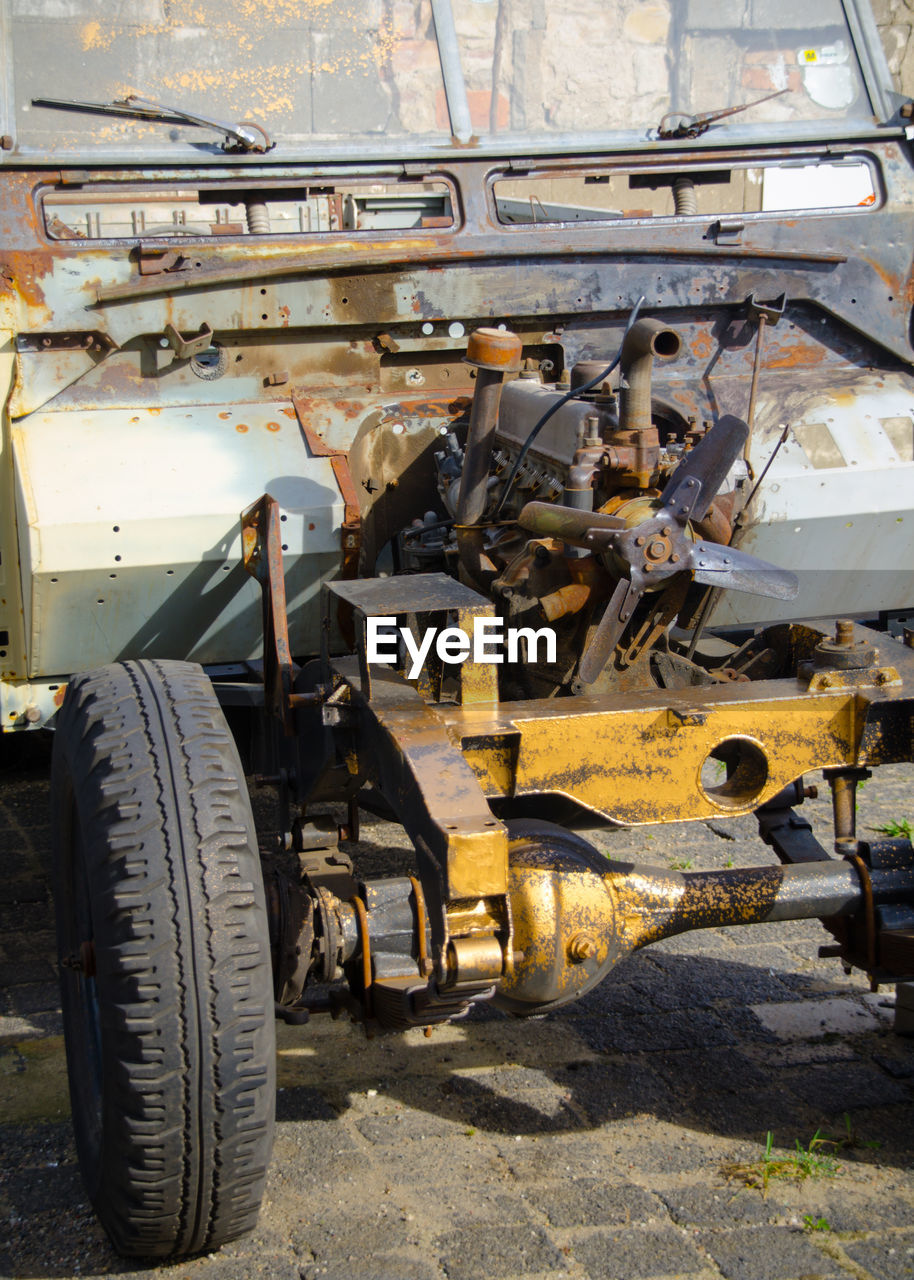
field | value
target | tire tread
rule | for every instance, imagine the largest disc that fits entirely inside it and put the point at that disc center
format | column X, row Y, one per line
column 187, row 1022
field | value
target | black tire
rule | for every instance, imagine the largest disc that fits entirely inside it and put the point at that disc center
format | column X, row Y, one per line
column 171, row 1041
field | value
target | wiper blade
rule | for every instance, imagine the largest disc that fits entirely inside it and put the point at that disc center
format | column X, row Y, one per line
column 695, row 126
column 246, row 136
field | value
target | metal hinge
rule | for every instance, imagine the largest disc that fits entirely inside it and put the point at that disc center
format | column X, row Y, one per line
column 727, row 230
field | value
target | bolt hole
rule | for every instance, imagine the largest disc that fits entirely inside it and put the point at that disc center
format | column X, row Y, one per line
column 283, row 517
column 285, row 546
column 116, row 528
column 264, row 316
column 169, row 571
column 226, row 567
column 112, row 575
column 100, row 600
column 264, row 292
column 117, row 559
column 734, row 773
column 344, row 301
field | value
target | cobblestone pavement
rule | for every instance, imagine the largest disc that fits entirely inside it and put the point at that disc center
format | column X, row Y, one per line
column 591, row 1143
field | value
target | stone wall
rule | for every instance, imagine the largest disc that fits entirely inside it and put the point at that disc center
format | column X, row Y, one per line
column 895, row 19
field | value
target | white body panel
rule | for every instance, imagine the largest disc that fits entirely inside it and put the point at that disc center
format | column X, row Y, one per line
column 835, row 505
column 130, row 539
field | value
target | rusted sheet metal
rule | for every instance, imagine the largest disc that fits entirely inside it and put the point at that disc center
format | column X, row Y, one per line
column 866, row 290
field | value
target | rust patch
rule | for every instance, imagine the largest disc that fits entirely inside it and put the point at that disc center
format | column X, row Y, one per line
column 285, row 313
column 702, row 346
column 273, row 426
column 59, row 696
column 226, row 414
column 445, row 408
column 242, row 427
column 890, row 281
column 350, row 408
column 288, row 411
column 798, row 355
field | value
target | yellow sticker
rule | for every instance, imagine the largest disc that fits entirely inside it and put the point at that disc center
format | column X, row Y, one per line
column 808, row 55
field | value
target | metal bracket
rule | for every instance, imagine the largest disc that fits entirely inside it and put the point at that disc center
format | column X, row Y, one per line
column 770, row 312
column 418, row 593
column 185, row 348
column 351, row 530
column 261, row 543
column 153, row 262
column 93, row 342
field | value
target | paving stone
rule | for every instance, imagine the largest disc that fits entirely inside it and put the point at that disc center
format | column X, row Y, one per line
column 615, row 1086
column 541, row 1157
column 731, row 982
column 13, row 1028
column 656, row 1147
column 638, row 1255
column 853, row 1211
column 705, row 1206
column 897, row 1064
column 650, row 1033
column 405, row 1127
column 811, row 1019
column 890, row 1258
column 353, row 1236
column 27, row 998
column 303, row 1104
column 768, row 1253
column 835, row 1088
column 277, row 1267
column 389, row 1267
column 513, row 1251
column 800, row 1054
column 27, row 968
column 591, row 1202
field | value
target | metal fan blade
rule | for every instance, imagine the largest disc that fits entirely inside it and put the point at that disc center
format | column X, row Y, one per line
column 695, row 482
column 614, row 621
column 550, row 521
column 718, row 566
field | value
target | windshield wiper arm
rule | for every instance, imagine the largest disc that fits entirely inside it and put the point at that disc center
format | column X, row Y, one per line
column 695, row 126
column 246, row 136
